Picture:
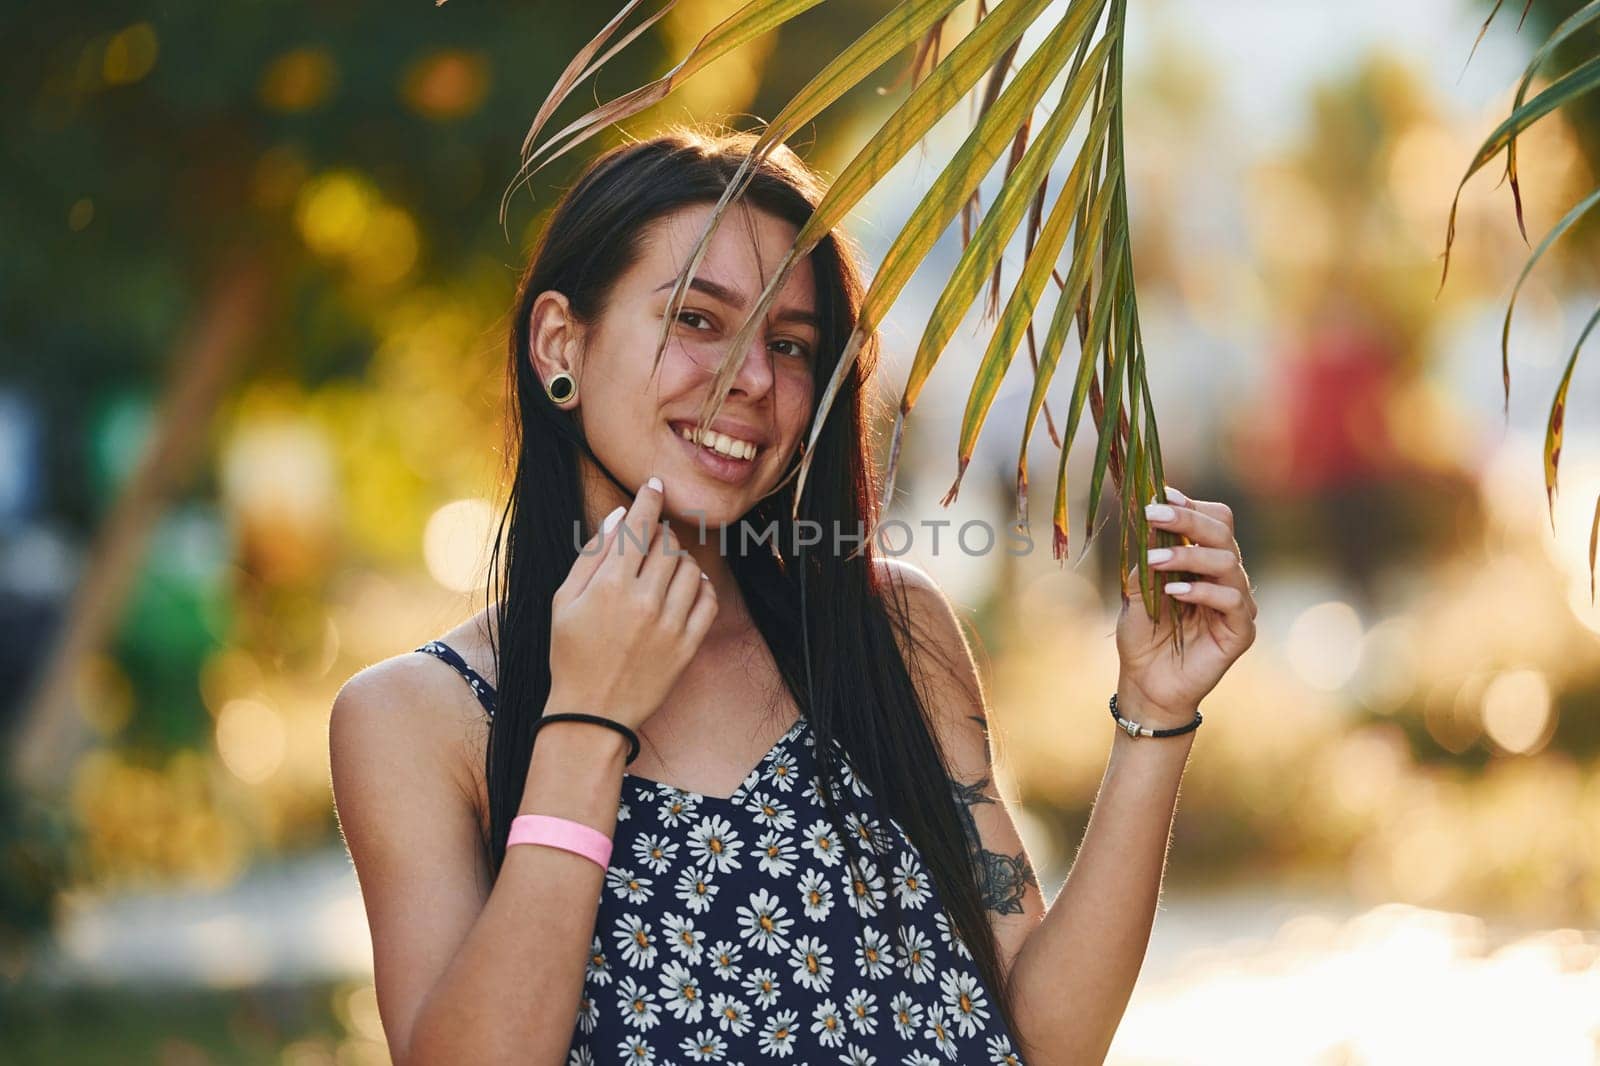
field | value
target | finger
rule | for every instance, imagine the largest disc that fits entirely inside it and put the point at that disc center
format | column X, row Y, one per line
column 701, row 614
column 636, row 531
column 1220, row 564
column 1211, row 508
column 682, row 592
column 1194, row 524
column 593, row 553
column 1226, row 599
column 663, row 560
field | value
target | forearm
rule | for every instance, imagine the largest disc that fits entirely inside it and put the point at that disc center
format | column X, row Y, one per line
column 511, row 992
column 1074, row 975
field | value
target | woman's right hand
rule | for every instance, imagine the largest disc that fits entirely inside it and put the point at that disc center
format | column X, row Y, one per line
column 626, row 622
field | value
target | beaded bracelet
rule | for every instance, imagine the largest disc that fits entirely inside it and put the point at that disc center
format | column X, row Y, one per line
column 1135, row 730
column 576, row 716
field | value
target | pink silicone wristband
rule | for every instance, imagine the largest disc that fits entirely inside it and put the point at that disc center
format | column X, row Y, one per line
column 561, row 833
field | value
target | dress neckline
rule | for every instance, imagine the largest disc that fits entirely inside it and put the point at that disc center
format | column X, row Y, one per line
column 490, row 698
column 664, row 790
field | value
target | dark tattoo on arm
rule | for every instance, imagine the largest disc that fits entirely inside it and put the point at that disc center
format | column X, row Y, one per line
column 1002, row 879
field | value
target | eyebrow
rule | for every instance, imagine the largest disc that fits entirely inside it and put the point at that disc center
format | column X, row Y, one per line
column 718, row 291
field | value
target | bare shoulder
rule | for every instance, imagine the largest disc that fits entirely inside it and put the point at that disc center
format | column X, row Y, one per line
column 936, row 648
column 409, row 714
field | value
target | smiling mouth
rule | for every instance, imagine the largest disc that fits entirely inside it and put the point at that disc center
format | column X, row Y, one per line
column 719, row 444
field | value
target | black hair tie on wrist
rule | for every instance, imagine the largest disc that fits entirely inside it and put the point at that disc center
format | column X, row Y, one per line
column 1134, row 729
column 577, row 716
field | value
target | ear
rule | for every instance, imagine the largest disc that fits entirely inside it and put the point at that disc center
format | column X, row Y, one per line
column 555, row 336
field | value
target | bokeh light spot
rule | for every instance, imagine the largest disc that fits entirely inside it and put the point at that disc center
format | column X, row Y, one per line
column 1518, row 711
column 250, row 739
column 454, row 542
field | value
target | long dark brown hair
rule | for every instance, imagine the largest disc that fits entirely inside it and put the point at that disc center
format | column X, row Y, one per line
column 830, row 622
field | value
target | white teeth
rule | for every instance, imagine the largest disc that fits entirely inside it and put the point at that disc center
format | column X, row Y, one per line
column 720, row 443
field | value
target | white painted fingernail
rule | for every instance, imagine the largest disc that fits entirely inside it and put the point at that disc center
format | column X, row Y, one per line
column 704, row 576
column 1159, row 555
column 612, row 519
column 1159, row 512
column 654, row 482
column 1174, row 494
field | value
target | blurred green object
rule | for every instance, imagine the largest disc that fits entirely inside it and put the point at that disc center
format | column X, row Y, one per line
column 177, row 614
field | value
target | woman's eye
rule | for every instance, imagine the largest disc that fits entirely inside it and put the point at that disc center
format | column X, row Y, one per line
column 800, row 350
column 690, row 314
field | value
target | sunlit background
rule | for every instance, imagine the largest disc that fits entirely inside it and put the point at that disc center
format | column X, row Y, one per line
column 253, row 342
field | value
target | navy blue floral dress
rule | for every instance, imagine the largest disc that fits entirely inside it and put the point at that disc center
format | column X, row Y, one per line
column 725, row 931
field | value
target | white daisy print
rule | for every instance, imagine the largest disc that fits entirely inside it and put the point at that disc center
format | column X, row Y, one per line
column 637, row 1051
column 823, row 841
column 680, row 990
column 948, row 934
column 911, row 882
column 580, row 1056
column 916, row 954
column 624, row 812
column 627, row 885
column 770, row 812
column 637, row 1004
column 704, row 1046
column 858, row 1007
column 655, row 851
column 588, row 1014
column 917, row 1058
column 812, row 965
column 636, row 941
column 696, row 890
column 684, row 939
column 725, row 959
column 816, row 895
column 858, row 1056
column 1001, row 1052
column 906, row 1013
column 863, row 887
column 762, row 984
column 967, row 1002
column 781, row 772
column 677, row 808
column 598, row 969
column 874, row 953
column 828, row 1024
column 939, row 1031
column 763, row 924
column 778, row 1035
column 714, row 845
column 869, row 831
column 777, row 853
column 849, row 778
column 730, row 1013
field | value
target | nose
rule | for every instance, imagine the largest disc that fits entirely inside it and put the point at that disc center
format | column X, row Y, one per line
column 755, row 373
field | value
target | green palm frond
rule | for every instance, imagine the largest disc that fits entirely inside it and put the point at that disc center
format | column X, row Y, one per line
column 1088, row 221
column 1582, row 79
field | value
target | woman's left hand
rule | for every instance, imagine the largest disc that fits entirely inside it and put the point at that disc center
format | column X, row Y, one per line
column 1168, row 689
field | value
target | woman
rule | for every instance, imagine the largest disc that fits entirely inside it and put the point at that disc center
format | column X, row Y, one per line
column 724, row 892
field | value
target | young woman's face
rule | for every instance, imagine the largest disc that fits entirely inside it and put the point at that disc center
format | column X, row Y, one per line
column 636, row 422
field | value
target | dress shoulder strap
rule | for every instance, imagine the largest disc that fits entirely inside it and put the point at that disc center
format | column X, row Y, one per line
column 480, row 688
